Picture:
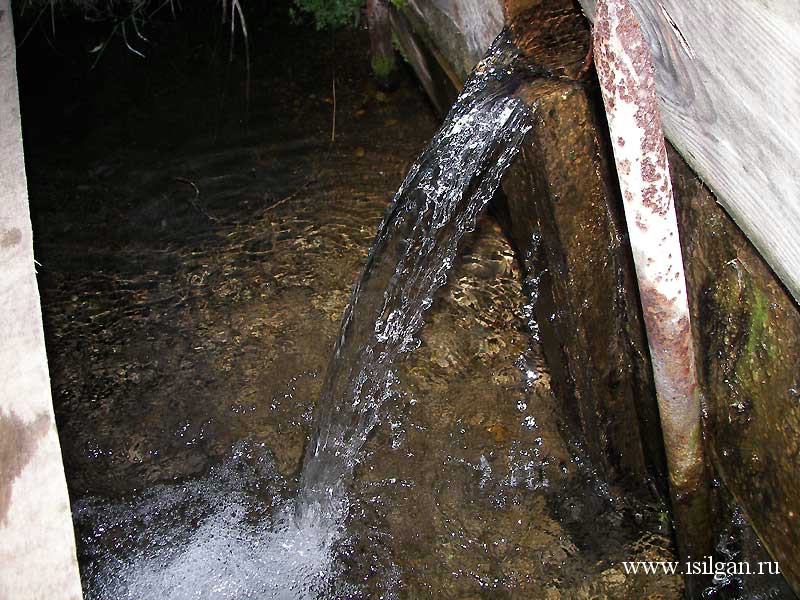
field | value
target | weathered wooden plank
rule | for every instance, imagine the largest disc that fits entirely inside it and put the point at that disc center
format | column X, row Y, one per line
column 728, row 78
column 559, row 208
column 37, row 545
column 464, row 29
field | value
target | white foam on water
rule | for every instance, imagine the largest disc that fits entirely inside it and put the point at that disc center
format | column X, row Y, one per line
column 209, row 538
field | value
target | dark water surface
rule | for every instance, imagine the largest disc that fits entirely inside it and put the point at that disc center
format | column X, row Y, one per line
column 195, row 264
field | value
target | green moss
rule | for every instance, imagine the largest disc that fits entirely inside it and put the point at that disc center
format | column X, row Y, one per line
column 759, row 321
column 383, row 67
column 750, row 346
column 399, row 47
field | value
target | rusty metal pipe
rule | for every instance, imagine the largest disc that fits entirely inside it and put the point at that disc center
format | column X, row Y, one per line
column 626, row 72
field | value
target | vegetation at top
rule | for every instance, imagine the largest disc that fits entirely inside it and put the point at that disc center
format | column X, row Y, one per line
column 330, row 14
column 129, row 18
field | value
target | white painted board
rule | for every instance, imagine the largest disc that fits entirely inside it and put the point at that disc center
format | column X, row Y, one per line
column 37, row 544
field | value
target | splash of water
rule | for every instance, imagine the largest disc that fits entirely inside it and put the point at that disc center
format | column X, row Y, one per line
column 437, row 204
column 229, row 535
column 216, row 537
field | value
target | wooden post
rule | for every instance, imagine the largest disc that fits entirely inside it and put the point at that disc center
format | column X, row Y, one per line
column 380, row 38
column 626, row 72
column 37, row 545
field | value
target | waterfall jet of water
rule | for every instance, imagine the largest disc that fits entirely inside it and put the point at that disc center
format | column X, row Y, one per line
column 626, row 72
column 437, row 204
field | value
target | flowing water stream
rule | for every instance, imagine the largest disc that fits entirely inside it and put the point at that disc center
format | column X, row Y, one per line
column 437, row 204
column 289, row 554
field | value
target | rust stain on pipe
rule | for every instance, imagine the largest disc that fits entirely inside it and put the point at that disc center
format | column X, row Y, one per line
column 626, row 72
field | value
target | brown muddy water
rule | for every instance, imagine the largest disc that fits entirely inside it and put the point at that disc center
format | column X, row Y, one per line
column 197, row 252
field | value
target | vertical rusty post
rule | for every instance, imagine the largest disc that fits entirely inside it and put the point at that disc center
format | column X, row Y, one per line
column 380, row 38
column 626, row 72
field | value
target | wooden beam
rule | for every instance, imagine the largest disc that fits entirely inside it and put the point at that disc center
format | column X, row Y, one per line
column 462, row 30
column 37, row 545
column 728, row 79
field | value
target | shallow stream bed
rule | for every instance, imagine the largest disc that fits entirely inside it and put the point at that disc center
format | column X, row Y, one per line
column 196, row 257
